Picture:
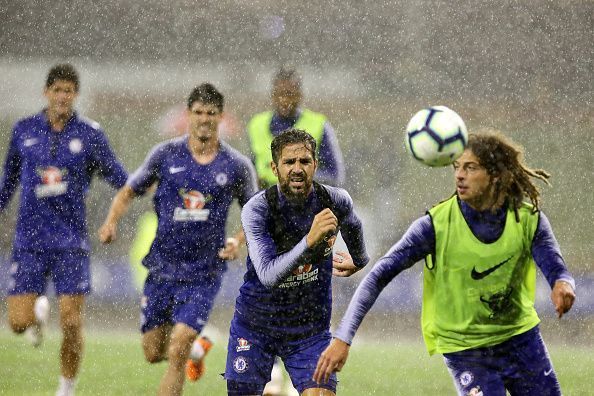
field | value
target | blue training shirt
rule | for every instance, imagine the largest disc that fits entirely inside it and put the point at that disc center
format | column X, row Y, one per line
column 286, row 295
column 419, row 241
column 54, row 170
column 192, row 202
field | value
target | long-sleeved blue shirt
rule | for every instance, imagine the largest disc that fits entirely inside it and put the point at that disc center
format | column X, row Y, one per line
column 330, row 162
column 54, row 170
column 285, row 294
column 419, row 241
column 192, row 203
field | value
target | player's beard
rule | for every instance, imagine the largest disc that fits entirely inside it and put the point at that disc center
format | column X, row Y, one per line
column 295, row 196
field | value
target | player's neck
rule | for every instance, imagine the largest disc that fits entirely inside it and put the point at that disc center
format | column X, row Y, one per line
column 57, row 121
column 203, row 151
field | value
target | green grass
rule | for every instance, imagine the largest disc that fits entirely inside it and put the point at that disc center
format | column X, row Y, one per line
column 114, row 365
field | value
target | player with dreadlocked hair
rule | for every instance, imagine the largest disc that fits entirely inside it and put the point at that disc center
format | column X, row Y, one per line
column 481, row 246
column 504, row 159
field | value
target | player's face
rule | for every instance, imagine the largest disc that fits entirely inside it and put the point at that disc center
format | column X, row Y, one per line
column 473, row 183
column 286, row 96
column 203, row 121
column 295, row 171
column 60, row 98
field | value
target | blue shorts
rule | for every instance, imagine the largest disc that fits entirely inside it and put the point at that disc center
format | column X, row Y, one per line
column 69, row 270
column 250, row 356
column 169, row 302
column 521, row 365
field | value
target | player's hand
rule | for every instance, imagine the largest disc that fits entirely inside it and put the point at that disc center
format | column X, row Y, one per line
column 231, row 249
column 342, row 265
column 324, row 223
column 562, row 297
column 331, row 360
column 107, row 232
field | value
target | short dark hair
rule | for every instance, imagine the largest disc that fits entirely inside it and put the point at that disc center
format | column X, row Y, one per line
column 292, row 136
column 63, row 71
column 206, row 93
column 287, row 74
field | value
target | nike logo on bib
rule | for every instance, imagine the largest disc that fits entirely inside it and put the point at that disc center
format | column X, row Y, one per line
column 480, row 275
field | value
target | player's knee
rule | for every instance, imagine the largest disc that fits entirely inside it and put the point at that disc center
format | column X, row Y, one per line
column 153, row 356
column 177, row 354
column 71, row 325
column 18, row 325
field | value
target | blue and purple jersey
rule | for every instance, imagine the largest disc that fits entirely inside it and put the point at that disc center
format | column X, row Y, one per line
column 287, row 292
column 54, row 170
column 419, row 241
column 330, row 162
column 192, row 202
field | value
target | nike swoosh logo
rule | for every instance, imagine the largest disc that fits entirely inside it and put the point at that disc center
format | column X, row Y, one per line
column 480, row 275
column 178, row 169
column 547, row 372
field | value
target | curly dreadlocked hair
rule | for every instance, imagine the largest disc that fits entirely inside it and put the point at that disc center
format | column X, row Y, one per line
column 503, row 159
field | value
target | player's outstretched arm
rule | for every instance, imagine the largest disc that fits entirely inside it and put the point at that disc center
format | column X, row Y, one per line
column 562, row 297
column 119, row 206
column 332, row 359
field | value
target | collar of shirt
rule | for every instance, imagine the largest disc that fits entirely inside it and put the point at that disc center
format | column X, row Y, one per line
column 45, row 120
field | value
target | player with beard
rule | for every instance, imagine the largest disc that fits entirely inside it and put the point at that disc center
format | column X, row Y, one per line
column 285, row 303
column 481, row 247
column 197, row 176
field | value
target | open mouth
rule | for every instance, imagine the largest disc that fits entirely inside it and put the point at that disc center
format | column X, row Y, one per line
column 297, row 181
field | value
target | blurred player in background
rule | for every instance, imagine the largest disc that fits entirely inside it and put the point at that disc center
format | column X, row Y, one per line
column 197, row 178
column 53, row 155
column 285, row 303
column 263, row 127
column 480, row 246
column 287, row 113
column 173, row 123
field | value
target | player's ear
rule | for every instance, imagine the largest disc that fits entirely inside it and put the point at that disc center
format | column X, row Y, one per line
column 274, row 168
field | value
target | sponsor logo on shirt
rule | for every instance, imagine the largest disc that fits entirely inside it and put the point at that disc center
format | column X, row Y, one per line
column 193, row 209
column 243, row 345
column 300, row 276
column 51, row 182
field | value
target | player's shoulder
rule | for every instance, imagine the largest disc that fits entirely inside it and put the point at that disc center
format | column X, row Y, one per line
column 171, row 145
column 232, row 154
column 339, row 196
column 28, row 122
column 86, row 122
column 257, row 204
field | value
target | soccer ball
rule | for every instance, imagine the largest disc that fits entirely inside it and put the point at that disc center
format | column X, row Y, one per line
column 436, row 136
